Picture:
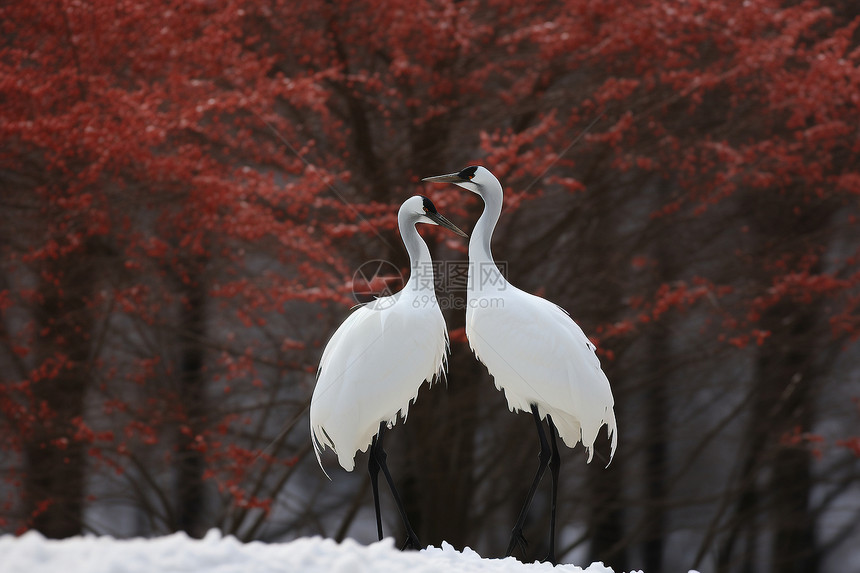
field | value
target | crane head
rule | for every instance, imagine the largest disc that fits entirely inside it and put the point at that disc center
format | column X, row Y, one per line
column 424, row 211
column 474, row 178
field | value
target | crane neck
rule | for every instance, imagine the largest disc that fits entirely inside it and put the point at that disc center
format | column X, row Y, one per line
column 481, row 263
column 420, row 262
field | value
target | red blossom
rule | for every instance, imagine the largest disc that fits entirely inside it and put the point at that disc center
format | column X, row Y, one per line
column 215, row 150
column 852, row 444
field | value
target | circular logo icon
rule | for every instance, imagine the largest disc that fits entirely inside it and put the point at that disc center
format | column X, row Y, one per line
column 375, row 279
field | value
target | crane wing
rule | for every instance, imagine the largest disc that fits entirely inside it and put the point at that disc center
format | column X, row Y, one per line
column 371, row 371
column 538, row 355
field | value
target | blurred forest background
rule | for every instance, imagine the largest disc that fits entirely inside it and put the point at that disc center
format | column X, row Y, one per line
column 187, row 188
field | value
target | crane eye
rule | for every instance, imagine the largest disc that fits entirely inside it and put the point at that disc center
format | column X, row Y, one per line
column 469, row 172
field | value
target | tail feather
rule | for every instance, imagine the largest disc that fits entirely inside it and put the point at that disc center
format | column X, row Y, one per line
column 319, row 447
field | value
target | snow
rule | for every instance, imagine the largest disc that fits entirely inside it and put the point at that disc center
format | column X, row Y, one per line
column 32, row 553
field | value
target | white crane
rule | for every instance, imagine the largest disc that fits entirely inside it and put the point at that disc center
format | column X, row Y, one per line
column 538, row 356
column 378, row 359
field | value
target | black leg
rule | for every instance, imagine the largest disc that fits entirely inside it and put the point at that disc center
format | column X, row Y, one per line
column 545, row 456
column 373, row 470
column 378, row 452
column 554, row 465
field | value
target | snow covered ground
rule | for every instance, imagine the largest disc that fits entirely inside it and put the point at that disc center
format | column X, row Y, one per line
column 32, row 553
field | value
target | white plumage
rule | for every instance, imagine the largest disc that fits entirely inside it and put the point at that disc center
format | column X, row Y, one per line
column 536, row 353
column 538, row 356
column 372, row 368
column 377, row 360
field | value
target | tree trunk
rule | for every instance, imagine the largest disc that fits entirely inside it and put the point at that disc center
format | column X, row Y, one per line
column 606, row 514
column 189, row 482
column 606, row 517
column 782, row 403
column 657, row 414
column 441, row 435
column 787, row 369
column 660, row 364
column 56, row 461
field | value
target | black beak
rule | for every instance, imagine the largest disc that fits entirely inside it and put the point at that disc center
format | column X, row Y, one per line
column 442, row 221
column 451, row 178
